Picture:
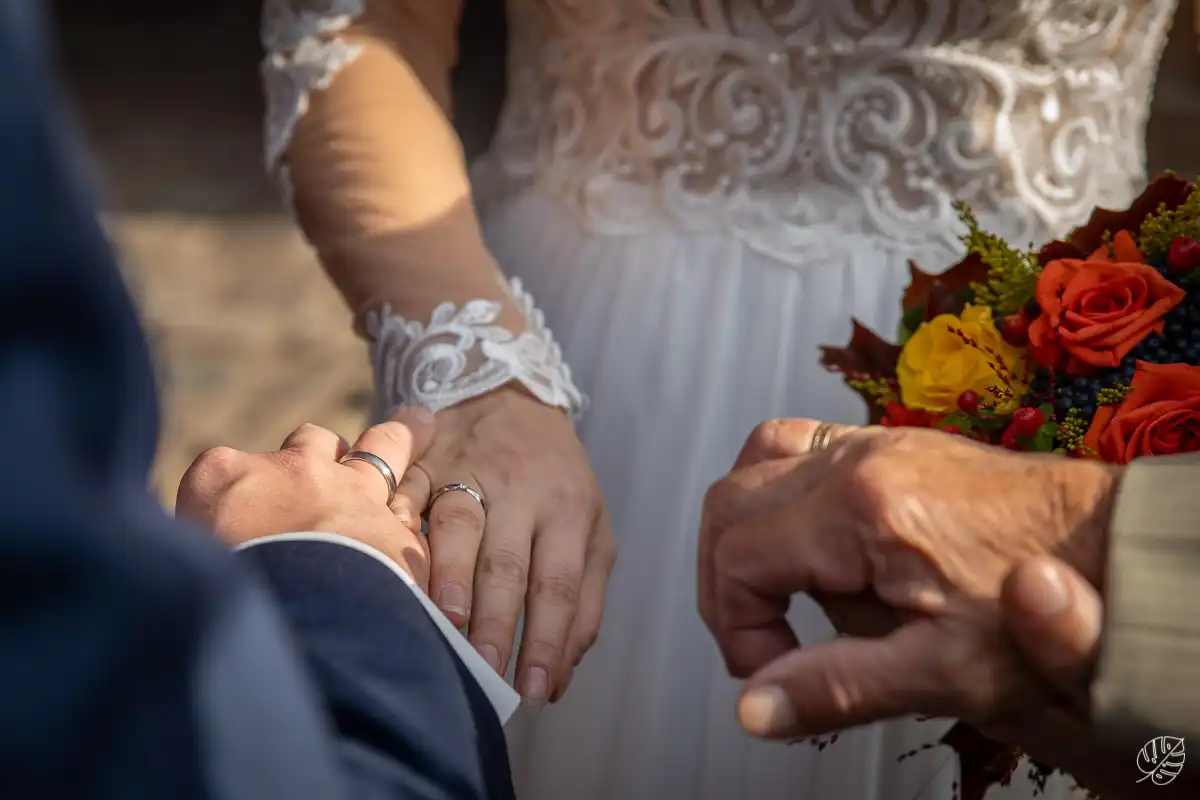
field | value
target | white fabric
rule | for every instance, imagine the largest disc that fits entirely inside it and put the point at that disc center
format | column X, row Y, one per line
column 499, row 693
column 462, row 354
column 700, row 193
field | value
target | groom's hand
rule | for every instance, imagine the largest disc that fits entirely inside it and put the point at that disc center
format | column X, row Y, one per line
column 303, row 486
column 905, row 537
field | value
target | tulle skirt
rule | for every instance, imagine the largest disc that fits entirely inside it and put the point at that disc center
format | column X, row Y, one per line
column 685, row 341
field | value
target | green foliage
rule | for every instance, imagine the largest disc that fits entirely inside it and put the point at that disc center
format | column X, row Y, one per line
column 880, row 391
column 1012, row 274
column 1112, row 395
column 1071, row 432
column 1163, row 227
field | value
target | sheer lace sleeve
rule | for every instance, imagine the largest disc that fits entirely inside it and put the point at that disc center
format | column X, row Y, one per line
column 358, row 136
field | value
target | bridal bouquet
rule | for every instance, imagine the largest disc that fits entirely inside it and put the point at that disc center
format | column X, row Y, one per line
column 1088, row 347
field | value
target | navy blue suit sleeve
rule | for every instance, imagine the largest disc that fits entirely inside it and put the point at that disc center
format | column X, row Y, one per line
column 410, row 719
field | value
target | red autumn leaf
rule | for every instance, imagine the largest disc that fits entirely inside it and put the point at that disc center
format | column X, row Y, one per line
column 1167, row 189
column 944, row 287
column 867, row 355
column 943, row 301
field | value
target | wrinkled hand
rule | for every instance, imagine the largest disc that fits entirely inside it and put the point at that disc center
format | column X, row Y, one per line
column 905, row 537
column 303, row 487
column 544, row 541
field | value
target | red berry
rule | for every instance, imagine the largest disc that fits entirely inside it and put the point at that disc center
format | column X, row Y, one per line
column 968, row 401
column 953, row 429
column 1015, row 329
column 1027, row 421
column 1184, row 254
column 1009, row 438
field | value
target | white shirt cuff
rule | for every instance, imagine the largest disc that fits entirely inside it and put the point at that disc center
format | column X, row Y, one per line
column 502, row 696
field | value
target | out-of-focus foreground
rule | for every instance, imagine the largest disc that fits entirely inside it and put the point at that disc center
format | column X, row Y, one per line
column 250, row 338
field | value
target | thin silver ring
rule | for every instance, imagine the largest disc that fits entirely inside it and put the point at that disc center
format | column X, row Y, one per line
column 822, row 436
column 379, row 464
column 458, row 487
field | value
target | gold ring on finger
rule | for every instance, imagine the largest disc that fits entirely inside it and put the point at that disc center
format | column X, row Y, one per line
column 822, row 436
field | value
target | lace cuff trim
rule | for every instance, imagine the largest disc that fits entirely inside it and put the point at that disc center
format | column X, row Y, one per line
column 461, row 354
column 304, row 55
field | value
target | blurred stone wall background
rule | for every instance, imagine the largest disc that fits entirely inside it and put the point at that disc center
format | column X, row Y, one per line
column 250, row 338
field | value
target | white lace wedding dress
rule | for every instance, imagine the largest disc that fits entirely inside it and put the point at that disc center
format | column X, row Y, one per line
column 699, row 193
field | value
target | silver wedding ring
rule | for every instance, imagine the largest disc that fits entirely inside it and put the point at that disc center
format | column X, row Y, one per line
column 458, row 487
column 822, row 436
column 379, row 464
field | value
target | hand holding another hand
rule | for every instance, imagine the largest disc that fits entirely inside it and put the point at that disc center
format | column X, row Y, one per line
column 906, row 538
column 305, row 486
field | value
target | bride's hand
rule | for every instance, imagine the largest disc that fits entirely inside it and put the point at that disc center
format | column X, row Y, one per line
column 543, row 540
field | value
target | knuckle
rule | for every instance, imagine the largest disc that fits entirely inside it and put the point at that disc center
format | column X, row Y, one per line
column 764, row 435
column 504, row 565
column 208, row 476
column 873, row 469
column 541, row 650
column 218, row 461
column 719, row 503
column 306, row 428
column 559, row 585
column 573, row 497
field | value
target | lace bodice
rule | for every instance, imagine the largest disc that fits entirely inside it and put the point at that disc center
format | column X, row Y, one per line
column 799, row 124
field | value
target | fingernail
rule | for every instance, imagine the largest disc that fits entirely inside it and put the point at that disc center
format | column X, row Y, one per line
column 1049, row 596
column 535, row 686
column 491, row 655
column 767, row 711
column 452, row 598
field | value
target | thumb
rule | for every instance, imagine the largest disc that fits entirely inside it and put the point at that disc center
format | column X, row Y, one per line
column 397, row 443
column 1054, row 615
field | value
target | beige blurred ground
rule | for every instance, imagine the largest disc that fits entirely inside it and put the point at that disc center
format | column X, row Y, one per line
column 250, row 338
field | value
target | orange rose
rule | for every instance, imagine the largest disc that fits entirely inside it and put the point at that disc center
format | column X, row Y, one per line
column 1094, row 311
column 1159, row 417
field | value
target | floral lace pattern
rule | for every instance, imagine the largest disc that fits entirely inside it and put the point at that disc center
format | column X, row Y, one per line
column 303, row 55
column 462, row 354
column 795, row 123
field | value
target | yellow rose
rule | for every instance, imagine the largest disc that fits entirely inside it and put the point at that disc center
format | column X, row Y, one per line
column 949, row 355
